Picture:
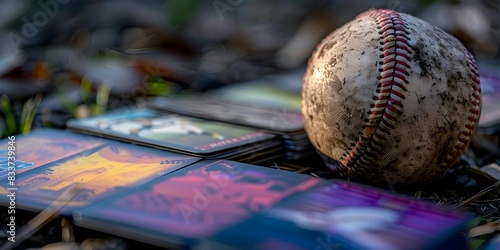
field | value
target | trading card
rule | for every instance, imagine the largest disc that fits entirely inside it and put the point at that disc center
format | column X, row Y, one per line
column 271, row 103
column 214, row 107
column 346, row 215
column 489, row 122
column 43, row 146
column 265, row 92
column 251, row 150
column 179, row 133
column 97, row 171
column 197, row 201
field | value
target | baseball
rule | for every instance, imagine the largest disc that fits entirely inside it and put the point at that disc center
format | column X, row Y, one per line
column 389, row 97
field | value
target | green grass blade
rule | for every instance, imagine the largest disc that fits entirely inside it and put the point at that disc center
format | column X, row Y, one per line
column 10, row 118
column 102, row 97
column 24, row 113
column 31, row 107
column 160, row 88
column 3, row 128
column 86, row 89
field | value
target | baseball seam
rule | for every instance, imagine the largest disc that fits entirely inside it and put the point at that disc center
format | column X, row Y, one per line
column 387, row 104
column 465, row 135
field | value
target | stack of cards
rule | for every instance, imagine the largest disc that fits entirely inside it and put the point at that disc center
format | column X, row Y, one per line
column 187, row 135
column 271, row 103
column 346, row 215
column 175, row 200
column 220, row 204
column 193, row 203
column 50, row 162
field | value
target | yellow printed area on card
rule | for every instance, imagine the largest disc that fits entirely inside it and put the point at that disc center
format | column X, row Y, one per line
column 98, row 171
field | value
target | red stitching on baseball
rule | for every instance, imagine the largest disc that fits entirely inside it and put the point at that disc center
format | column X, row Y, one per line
column 466, row 135
column 382, row 115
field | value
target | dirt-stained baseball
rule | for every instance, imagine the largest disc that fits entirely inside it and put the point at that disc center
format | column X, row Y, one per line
column 391, row 98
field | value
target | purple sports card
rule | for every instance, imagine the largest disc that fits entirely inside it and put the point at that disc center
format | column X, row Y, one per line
column 197, row 201
column 346, row 215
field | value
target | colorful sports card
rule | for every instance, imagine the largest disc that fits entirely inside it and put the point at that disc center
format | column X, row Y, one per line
column 213, row 107
column 196, row 201
column 266, row 92
column 97, row 171
column 346, row 215
column 489, row 122
column 183, row 134
column 44, row 146
column 271, row 103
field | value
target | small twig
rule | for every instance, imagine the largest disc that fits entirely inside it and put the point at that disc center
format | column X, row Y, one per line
column 67, row 234
column 418, row 194
column 42, row 218
column 478, row 195
column 481, row 202
column 276, row 166
column 482, row 230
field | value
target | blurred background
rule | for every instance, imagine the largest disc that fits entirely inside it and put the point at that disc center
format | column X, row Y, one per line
column 61, row 59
